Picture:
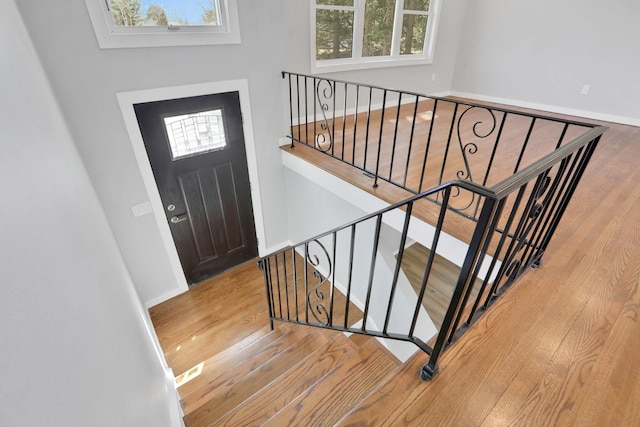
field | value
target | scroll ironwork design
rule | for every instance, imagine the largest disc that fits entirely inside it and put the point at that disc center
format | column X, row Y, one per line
column 318, row 309
column 324, row 93
column 516, row 263
column 471, row 147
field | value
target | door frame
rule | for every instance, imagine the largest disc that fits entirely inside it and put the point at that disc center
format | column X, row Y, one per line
column 126, row 101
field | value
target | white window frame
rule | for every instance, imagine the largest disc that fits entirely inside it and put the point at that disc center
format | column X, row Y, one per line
column 357, row 61
column 110, row 36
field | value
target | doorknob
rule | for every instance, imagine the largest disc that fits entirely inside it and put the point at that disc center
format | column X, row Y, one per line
column 178, row 218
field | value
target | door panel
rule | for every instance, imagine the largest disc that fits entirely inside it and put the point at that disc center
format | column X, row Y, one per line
column 199, row 164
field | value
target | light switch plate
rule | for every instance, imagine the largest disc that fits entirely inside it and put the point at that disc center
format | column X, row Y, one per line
column 141, row 209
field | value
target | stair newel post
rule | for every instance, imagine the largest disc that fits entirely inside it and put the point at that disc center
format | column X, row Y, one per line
column 480, row 234
column 288, row 77
column 298, row 109
column 262, row 264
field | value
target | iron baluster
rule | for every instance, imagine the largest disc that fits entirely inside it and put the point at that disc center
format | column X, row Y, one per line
column 384, row 103
column 333, row 120
column 306, row 112
column 432, row 254
column 446, row 151
column 349, row 280
column 366, row 136
column 279, row 288
column 286, row 283
column 290, row 106
column 426, row 149
column 524, row 145
column 299, row 117
column 295, row 282
column 413, row 127
column 306, row 282
column 575, row 179
column 446, row 333
column 344, row 119
column 355, row 126
column 333, row 281
column 315, row 115
column 562, row 135
column 396, row 272
column 395, row 137
column 372, row 268
column 495, row 148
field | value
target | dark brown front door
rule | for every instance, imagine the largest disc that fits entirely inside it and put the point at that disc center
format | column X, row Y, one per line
column 197, row 153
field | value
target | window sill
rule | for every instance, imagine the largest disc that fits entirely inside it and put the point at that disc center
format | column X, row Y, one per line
column 336, row 65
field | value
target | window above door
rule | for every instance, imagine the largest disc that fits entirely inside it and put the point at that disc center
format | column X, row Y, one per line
column 358, row 34
column 154, row 23
column 195, row 133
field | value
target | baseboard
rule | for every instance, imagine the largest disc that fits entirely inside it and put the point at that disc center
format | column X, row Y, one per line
column 164, row 297
column 176, row 412
column 549, row 108
column 277, row 247
column 340, row 111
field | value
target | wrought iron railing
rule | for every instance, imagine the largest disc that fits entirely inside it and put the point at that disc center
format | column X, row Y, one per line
column 345, row 279
column 418, row 142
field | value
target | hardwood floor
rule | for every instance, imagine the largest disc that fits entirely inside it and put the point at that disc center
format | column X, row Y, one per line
column 439, row 287
column 560, row 348
column 239, row 373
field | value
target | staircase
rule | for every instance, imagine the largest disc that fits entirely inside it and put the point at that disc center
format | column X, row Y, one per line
column 290, row 376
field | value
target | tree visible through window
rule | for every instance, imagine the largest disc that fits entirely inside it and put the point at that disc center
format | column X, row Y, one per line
column 135, row 13
column 363, row 30
column 154, row 23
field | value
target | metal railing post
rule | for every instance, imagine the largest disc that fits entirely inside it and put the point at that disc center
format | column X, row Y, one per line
column 473, row 253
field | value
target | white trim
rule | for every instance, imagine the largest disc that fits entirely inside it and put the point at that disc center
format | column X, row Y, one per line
column 174, row 401
column 348, row 64
column 276, row 248
column 546, row 107
column 284, row 141
column 192, row 36
column 442, row 94
column 167, row 295
column 128, row 99
column 176, row 413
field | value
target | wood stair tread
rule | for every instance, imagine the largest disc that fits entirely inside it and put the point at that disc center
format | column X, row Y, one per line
column 204, row 343
column 232, row 356
column 289, row 386
column 389, row 395
column 327, row 401
column 233, row 387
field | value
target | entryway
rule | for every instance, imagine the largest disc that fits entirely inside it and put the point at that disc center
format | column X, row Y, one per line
column 197, row 152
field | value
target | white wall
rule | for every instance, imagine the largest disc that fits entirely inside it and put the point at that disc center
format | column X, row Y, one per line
column 77, row 349
column 410, row 78
column 85, row 81
column 543, row 52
